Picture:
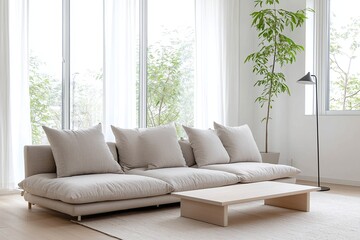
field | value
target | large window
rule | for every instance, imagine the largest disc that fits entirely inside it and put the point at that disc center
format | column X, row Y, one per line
column 343, row 91
column 86, row 63
column 66, row 40
column 45, row 71
column 170, row 62
column 65, row 89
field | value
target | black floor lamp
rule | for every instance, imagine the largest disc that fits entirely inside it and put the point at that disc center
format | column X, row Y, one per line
column 307, row 79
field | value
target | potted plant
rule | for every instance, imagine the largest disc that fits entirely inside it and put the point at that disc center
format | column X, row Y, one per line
column 275, row 50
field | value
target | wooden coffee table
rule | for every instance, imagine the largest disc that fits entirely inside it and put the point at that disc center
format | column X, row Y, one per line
column 211, row 204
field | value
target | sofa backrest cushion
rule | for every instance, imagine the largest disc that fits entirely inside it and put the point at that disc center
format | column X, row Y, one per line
column 39, row 158
column 207, row 147
column 155, row 147
column 113, row 150
column 239, row 143
column 187, row 152
column 82, row 151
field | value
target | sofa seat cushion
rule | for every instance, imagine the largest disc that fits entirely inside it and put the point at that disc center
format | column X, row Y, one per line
column 185, row 178
column 255, row 171
column 94, row 188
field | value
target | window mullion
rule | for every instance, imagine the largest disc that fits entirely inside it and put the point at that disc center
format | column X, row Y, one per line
column 143, row 64
column 66, row 64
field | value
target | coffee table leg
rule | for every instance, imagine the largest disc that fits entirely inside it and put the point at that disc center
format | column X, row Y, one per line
column 299, row 202
column 205, row 212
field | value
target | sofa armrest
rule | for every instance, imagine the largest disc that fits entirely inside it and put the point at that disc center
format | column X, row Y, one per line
column 38, row 159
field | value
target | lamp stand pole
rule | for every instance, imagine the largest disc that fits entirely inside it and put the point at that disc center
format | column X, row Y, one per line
column 317, row 137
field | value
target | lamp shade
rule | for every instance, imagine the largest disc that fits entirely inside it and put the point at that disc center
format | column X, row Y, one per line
column 307, row 79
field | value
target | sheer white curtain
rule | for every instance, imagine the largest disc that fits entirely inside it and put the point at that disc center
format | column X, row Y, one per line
column 15, row 130
column 121, row 31
column 217, row 62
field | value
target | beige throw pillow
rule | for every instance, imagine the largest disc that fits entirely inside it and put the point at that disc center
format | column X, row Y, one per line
column 155, row 147
column 239, row 143
column 81, row 152
column 207, row 147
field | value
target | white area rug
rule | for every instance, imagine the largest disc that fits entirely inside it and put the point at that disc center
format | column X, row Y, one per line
column 331, row 216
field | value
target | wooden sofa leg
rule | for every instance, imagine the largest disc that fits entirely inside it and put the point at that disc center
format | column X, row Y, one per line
column 79, row 218
column 29, row 205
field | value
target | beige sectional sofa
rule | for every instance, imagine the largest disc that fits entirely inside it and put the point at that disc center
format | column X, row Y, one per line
column 87, row 194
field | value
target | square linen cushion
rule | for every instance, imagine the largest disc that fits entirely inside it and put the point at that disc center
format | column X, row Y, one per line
column 207, row 147
column 155, row 147
column 81, row 152
column 239, row 143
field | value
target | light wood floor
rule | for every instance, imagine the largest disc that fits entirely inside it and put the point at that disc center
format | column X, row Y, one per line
column 17, row 222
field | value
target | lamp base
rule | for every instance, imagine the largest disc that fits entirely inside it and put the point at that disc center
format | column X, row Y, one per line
column 323, row 189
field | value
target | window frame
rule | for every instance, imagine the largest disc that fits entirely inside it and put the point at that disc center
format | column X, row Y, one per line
column 143, row 46
column 66, row 82
column 321, row 61
column 65, row 101
column 66, row 67
column 66, row 61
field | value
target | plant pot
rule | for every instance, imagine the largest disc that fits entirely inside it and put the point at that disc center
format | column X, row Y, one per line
column 270, row 157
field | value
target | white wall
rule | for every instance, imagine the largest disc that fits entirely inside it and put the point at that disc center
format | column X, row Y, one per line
column 294, row 134
column 247, row 36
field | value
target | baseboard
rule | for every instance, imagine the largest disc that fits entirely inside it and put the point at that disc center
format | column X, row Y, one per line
column 329, row 180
